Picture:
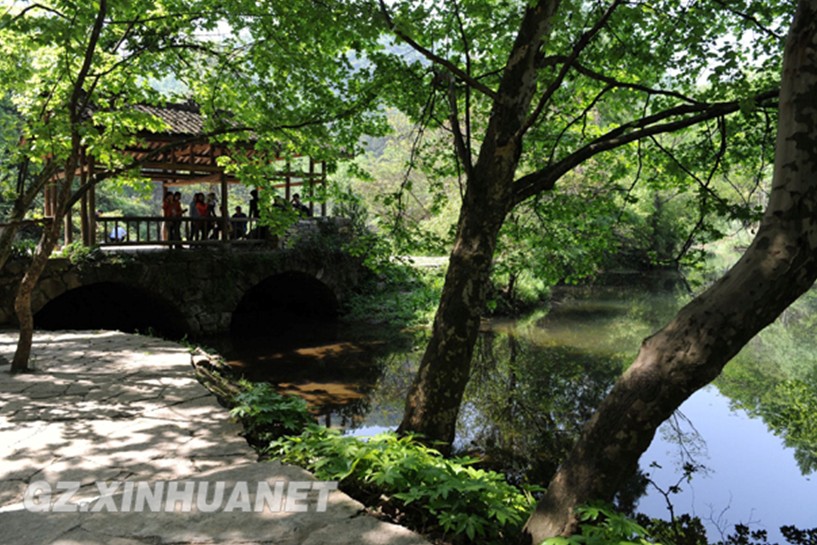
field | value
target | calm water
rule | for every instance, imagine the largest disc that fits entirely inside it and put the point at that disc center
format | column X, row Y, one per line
column 537, row 380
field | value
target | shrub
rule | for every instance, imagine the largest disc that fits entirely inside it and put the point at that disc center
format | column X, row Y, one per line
column 78, row 253
column 266, row 414
column 413, row 483
column 602, row 525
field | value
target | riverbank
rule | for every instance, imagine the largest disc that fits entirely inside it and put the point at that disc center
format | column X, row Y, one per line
column 104, row 409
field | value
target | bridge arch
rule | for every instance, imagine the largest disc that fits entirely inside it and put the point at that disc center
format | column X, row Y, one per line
column 188, row 292
column 275, row 303
column 112, row 305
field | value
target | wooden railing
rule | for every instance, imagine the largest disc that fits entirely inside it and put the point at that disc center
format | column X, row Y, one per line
column 157, row 230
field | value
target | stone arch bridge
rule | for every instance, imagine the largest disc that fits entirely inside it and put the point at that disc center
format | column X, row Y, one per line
column 193, row 292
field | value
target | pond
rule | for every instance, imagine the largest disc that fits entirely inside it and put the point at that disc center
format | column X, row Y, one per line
column 536, row 380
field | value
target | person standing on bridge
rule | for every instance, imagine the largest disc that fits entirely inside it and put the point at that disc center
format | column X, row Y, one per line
column 167, row 213
column 176, row 213
column 198, row 211
column 212, row 224
column 300, row 207
column 253, row 204
column 194, row 214
column 239, row 223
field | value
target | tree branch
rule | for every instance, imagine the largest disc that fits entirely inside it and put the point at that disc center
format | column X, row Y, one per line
column 583, row 42
column 704, row 185
column 580, row 68
column 77, row 104
column 466, row 45
column 41, row 221
column 33, row 7
column 637, row 178
column 436, row 59
column 752, row 19
column 582, row 115
column 170, row 47
column 545, row 178
column 460, row 143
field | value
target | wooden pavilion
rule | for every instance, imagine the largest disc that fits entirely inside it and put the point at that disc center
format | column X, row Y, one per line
column 182, row 155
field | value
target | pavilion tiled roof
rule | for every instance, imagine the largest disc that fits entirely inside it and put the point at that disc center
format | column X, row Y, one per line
column 182, row 118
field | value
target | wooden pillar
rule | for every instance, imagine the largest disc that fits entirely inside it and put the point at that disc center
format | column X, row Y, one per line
column 310, row 187
column 288, row 182
column 163, row 223
column 323, row 184
column 68, row 233
column 92, row 203
column 85, row 234
column 84, row 230
column 48, row 200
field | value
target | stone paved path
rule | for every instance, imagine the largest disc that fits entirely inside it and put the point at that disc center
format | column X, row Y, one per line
column 109, row 407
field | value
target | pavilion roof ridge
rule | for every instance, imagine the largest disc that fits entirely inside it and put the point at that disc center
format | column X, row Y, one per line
column 182, row 118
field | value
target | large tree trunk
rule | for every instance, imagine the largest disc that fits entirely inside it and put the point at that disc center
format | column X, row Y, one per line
column 433, row 402
column 435, row 396
column 691, row 351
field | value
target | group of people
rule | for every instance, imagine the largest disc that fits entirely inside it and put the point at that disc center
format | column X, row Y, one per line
column 203, row 211
column 172, row 211
column 200, row 209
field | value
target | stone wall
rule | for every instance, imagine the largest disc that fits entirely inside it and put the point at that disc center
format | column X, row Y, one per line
column 204, row 285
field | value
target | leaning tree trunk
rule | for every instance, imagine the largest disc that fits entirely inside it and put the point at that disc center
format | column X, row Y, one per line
column 434, row 399
column 691, row 351
column 22, row 301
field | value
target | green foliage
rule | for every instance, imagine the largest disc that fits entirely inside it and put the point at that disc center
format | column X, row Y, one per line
column 564, row 237
column 796, row 536
column 77, row 253
column 449, row 496
column 602, row 525
column 743, row 535
column 439, row 495
column 266, row 414
column 656, row 201
column 374, row 251
column 788, row 409
column 350, row 206
column 776, row 380
column 75, row 77
column 398, row 295
column 683, row 529
column 23, row 248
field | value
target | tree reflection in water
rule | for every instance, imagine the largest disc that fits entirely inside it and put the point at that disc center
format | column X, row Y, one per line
column 536, row 381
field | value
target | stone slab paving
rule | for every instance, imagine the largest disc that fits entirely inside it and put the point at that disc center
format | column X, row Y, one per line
column 127, row 411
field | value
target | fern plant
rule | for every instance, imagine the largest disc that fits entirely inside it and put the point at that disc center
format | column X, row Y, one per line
column 266, row 414
column 445, row 496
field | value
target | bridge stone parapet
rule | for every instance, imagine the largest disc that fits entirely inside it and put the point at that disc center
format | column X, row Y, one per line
column 197, row 290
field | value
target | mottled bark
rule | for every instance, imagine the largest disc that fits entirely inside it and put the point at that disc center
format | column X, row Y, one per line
column 691, row 351
column 433, row 402
column 434, row 399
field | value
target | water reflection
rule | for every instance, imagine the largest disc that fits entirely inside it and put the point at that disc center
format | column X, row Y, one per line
column 536, row 381
column 526, row 403
column 335, row 367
